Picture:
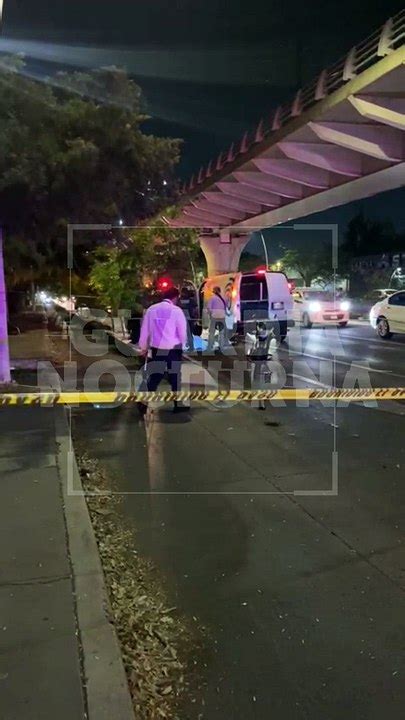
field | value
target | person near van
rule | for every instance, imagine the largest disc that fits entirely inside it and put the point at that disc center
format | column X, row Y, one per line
column 134, row 323
column 260, row 355
column 216, row 308
column 188, row 304
column 163, row 334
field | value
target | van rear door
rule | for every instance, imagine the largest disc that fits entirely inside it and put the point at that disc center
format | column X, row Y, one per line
column 280, row 301
column 253, row 298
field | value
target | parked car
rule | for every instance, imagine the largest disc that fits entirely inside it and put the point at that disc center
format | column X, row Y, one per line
column 360, row 306
column 388, row 315
column 319, row 306
column 381, row 293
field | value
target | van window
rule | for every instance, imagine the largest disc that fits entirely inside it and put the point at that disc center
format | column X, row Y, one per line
column 253, row 289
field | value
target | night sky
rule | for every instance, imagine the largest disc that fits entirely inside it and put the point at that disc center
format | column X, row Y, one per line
column 208, row 69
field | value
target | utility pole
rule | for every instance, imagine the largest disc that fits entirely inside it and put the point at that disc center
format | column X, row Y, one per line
column 5, row 376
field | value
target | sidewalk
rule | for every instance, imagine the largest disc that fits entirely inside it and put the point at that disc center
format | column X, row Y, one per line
column 29, row 348
column 54, row 627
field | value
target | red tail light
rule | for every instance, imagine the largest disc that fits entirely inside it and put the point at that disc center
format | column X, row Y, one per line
column 164, row 283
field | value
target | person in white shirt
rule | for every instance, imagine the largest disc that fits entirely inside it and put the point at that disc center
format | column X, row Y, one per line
column 163, row 334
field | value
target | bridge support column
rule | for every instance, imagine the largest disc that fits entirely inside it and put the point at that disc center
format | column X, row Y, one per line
column 222, row 252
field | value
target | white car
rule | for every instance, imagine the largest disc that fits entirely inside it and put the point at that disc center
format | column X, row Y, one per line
column 382, row 293
column 388, row 315
column 319, row 306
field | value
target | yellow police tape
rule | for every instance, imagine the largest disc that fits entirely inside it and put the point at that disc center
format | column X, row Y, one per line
column 116, row 398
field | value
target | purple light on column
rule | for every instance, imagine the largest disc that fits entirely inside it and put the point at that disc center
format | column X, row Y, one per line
column 4, row 352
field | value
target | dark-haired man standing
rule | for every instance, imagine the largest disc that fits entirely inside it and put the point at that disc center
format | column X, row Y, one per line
column 163, row 333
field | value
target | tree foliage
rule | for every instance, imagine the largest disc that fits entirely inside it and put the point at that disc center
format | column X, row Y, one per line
column 177, row 253
column 369, row 237
column 73, row 152
column 115, row 276
column 249, row 261
column 119, row 269
column 309, row 262
column 362, row 237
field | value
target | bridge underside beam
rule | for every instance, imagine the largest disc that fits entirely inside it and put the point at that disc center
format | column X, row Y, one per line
column 287, row 169
column 327, row 156
column 230, row 201
column 381, row 142
column 219, row 210
column 382, row 181
column 248, row 192
column 345, row 143
column 261, row 181
column 384, row 110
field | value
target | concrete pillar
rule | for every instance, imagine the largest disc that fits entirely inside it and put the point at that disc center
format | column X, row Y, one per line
column 4, row 352
column 222, row 252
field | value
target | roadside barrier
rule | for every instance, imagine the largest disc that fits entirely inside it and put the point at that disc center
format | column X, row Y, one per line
column 117, row 398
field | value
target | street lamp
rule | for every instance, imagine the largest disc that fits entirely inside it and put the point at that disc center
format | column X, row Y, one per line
column 5, row 376
column 265, row 250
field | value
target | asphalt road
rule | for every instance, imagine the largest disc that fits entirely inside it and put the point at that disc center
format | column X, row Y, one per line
column 355, row 352
column 282, row 532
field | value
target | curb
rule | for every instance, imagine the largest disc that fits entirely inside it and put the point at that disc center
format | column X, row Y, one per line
column 105, row 683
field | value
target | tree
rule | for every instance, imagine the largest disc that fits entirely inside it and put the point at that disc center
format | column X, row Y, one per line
column 311, row 263
column 249, row 261
column 119, row 268
column 368, row 237
column 115, row 276
column 73, row 152
column 177, row 252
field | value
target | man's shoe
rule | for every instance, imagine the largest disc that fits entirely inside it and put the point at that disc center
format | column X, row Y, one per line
column 178, row 407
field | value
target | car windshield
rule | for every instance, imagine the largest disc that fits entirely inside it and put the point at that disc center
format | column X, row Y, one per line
column 321, row 295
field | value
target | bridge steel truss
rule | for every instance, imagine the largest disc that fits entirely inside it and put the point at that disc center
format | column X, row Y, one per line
column 340, row 139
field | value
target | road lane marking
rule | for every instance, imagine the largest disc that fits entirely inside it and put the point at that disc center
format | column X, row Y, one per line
column 334, row 359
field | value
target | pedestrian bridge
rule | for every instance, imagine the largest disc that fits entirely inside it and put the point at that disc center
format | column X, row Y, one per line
column 340, row 139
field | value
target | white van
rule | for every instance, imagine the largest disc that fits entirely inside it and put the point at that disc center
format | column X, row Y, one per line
column 259, row 296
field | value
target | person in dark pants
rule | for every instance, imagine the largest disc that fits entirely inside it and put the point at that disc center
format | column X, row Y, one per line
column 163, row 334
column 260, row 356
column 134, row 323
column 188, row 304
